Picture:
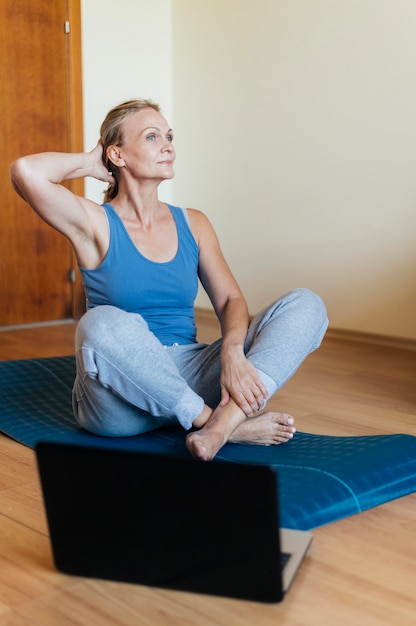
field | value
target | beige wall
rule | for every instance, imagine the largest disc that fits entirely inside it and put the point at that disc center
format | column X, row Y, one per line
column 127, row 53
column 295, row 127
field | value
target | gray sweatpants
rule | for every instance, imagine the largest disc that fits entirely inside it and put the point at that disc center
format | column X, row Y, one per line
column 128, row 383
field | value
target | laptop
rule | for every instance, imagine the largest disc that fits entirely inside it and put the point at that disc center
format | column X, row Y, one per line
column 168, row 521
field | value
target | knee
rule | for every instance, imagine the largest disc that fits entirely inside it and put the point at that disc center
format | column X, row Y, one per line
column 312, row 305
column 95, row 323
column 104, row 324
column 310, row 300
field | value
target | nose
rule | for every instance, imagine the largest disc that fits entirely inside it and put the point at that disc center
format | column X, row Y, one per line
column 167, row 146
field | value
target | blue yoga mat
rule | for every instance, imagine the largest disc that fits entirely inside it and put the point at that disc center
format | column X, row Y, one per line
column 321, row 478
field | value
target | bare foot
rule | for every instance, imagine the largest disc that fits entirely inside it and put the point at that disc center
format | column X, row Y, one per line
column 205, row 443
column 266, row 429
column 215, row 432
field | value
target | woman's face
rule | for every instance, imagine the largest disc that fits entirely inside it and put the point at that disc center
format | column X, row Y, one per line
column 147, row 151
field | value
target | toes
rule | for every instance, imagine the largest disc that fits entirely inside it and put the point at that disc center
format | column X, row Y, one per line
column 284, row 419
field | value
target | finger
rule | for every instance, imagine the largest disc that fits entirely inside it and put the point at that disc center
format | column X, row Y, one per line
column 261, row 389
column 247, row 404
column 257, row 399
column 225, row 396
column 260, row 397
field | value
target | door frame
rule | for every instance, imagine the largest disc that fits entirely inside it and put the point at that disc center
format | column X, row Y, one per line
column 75, row 125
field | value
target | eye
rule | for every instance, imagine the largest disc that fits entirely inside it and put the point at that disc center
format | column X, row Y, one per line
column 169, row 137
column 151, row 137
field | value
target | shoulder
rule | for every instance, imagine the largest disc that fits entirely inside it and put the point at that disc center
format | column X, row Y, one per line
column 201, row 227
column 198, row 219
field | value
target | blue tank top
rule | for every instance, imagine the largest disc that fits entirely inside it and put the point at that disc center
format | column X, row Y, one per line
column 162, row 293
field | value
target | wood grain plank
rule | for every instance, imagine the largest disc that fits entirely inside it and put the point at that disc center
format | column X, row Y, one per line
column 359, row 570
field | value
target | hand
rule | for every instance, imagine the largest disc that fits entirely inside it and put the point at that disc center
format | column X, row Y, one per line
column 241, row 382
column 98, row 169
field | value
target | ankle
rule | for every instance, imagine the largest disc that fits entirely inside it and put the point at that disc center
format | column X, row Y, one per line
column 203, row 418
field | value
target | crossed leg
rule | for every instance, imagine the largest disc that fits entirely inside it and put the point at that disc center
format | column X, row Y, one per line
column 229, row 423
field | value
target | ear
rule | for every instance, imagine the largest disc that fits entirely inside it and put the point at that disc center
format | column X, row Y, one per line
column 114, row 155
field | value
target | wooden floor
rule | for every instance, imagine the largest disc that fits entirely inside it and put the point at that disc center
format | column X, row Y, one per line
column 360, row 571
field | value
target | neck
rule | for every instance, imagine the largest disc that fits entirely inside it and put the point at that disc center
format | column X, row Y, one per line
column 141, row 202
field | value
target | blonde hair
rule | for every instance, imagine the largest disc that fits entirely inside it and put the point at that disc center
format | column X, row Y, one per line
column 111, row 134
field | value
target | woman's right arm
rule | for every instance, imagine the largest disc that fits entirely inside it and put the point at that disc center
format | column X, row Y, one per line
column 38, row 180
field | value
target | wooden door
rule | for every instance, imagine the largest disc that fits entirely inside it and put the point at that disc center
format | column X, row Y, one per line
column 41, row 110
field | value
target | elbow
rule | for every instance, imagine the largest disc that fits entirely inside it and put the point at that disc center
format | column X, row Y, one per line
column 18, row 175
column 16, row 171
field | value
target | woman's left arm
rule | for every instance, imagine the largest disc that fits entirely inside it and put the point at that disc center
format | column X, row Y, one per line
column 239, row 378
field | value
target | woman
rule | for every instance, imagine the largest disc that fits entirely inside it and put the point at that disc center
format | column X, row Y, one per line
column 139, row 365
